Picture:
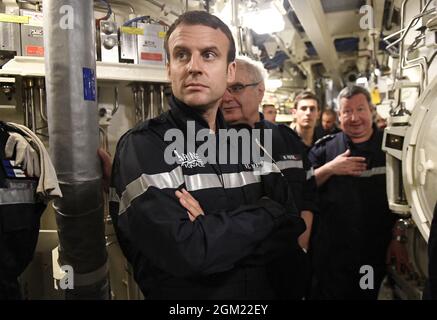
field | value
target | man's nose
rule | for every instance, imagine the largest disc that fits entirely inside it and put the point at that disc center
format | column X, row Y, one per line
column 195, row 64
column 227, row 96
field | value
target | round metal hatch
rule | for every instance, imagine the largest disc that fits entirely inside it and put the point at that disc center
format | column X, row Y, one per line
column 419, row 159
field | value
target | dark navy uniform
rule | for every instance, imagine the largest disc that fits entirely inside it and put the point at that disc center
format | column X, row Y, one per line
column 356, row 223
column 292, row 272
column 319, row 132
column 289, row 152
column 19, row 222
column 221, row 255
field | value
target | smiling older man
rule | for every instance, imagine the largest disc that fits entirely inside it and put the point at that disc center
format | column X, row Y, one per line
column 356, row 222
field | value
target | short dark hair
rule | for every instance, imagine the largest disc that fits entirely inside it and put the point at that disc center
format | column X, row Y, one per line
column 305, row 95
column 203, row 18
column 350, row 91
column 329, row 111
column 266, row 105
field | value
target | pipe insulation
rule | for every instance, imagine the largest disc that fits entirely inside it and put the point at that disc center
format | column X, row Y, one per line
column 70, row 67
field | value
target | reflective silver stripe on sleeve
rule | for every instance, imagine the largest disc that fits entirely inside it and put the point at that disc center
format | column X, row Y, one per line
column 288, row 164
column 175, row 178
column 113, row 196
column 373, row 172
column 310, row 173
column 202, row 181
column 165, row 180
column 16, row 196
column 241, row 179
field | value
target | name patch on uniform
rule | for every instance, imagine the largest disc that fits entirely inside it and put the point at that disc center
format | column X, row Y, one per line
column 295, row 157
column 11, row 170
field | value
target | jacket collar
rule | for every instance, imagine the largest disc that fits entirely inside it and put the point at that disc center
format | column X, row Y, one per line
column 367, row 144
column 261, row 124
column 182, row 113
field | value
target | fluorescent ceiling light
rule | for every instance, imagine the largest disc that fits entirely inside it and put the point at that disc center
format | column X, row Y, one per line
column 267, row 20
column 273, row 84
column 362, row 81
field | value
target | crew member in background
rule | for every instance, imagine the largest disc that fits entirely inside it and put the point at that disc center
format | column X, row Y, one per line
column 355, row 236
column 269, row 112
column 240, row 105
column 306, row 111
column 27, row 178
column 328, row 124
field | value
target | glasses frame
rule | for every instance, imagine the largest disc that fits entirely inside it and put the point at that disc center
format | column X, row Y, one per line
column 241, row 87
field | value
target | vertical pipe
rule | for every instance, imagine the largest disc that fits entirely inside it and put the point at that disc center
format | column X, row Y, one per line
column 141, row 103
column 116, row 102
column 135, row 96
column 26, row 105
column 152, row 106
column 234, row 7
column 40, row 83
column 161, row 93
column 70, row 68
column 32, row 105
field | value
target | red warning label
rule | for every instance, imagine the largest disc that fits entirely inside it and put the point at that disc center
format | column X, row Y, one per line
column 36, row 51
column 151, row 56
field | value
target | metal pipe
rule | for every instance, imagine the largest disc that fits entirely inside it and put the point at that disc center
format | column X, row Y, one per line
column 424, row 73
column 393, row 34
column 116, row 103
column 114, row 3
column 32, row 105
column 234, row 7
column 412, row 23
column 161, row 92
column 40, row 84
column 122, row 4
column 152, row 106
column 162, row 6
column 388, row 22
column 403, row 55
column 26, row 105
column 74, row 140
column 143, row 103
column 30, row 113
column 135, row 97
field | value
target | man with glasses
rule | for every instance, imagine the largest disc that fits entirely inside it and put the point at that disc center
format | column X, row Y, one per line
column 240, row 109
column 356, row 223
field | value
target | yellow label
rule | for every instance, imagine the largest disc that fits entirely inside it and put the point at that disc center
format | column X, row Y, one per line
column 132, row 30
column 375, row 96
column 161, row 34
column 13, row 18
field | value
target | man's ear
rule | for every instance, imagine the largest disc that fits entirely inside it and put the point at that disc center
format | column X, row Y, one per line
column 261, row 88
column 168, row 69
column 231, row 72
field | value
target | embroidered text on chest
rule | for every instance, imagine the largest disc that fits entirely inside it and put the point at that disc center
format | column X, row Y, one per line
column 189, row 160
